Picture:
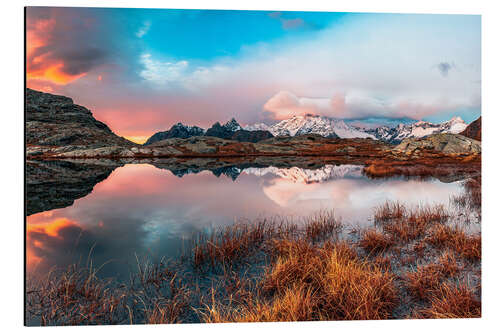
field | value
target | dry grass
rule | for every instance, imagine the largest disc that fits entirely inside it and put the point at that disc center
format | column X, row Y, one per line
column 308, row 282
column 231, row 244
column 389, row 211
column 452, row 301
column 75, row 297
column 322, row 226
column 455, row 238
column 427, row 279
column 413, row 223
column 375, row 241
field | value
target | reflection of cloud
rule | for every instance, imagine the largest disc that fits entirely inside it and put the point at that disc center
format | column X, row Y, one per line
column 355, row 198
column 43, row 238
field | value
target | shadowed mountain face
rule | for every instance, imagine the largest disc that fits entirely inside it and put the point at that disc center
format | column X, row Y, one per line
column 176, row 131
column 229, row 131
column 53, row 120
column 473, row 131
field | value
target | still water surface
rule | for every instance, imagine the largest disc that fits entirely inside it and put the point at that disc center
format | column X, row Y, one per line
column 140, row 209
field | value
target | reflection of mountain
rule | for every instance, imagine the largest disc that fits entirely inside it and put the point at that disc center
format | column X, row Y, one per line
column 307, row 176
column 57, row 184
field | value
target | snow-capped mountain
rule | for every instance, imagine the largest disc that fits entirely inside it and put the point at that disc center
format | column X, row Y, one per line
column 310, row 124
column 330, row 127
column 307, row 176
column 418, row 130
column 256, row 127
column 232, row 125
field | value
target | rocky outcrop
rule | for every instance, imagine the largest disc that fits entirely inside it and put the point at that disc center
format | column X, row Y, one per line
column 446, row 143
column 473, row 131
column 176, row 131
column 55, row 121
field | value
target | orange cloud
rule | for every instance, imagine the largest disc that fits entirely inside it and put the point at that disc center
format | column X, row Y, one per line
column 39, row 65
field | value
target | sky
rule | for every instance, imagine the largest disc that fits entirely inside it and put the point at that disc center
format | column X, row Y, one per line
column 142, row 70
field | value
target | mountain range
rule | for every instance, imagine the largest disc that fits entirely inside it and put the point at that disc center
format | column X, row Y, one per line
column 230, row 131
column 312, row 124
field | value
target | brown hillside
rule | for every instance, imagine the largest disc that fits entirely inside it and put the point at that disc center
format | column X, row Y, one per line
column 473, row 131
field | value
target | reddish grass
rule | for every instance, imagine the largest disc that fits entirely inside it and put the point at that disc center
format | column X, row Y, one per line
column 389, row 210
column 452, row 301
column 374, row 241
column 315, row 283
column 322, row 226
column 455, row 238
column 426, row 279
column 231, row 244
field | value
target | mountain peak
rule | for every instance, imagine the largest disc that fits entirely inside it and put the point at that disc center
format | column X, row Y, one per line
column 232, row 125
column 456, row 119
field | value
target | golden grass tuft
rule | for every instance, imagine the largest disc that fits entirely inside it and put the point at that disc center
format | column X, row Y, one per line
column 455, row 238
column 452, row 301
column 322, row 226
column 426, row 279
column 375, row 241
column 315, row 283
column 230, row 244
column 389, row 211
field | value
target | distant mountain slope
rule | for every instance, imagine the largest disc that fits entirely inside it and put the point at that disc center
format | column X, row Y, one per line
column 418, row 130
column 473, row 131
column 329, row 127
column 53, row 120
column 310, row 124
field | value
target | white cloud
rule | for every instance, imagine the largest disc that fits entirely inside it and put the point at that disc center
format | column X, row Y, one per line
column 143, row 30
column 162, row 73
column 365, row 66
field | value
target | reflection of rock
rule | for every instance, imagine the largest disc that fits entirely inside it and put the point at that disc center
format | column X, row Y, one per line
column 57, row 184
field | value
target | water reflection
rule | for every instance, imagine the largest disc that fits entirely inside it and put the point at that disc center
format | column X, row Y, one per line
column 142, row 209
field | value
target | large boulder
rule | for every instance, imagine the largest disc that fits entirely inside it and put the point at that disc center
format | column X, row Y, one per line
column 445, row 143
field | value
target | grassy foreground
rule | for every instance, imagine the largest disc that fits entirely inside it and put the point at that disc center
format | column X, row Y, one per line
column 413, row 262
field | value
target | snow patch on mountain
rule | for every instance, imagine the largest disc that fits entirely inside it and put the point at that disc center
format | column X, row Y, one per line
column 310, row 124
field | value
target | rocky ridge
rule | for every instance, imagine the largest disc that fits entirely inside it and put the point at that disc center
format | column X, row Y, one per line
column 473, row 131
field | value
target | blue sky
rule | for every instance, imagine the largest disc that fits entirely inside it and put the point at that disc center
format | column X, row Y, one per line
column 142, row 70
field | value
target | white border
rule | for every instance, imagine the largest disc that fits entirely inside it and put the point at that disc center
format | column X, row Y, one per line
column 11, row 105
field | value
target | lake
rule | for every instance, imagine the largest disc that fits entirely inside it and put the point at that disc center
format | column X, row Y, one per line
column 142, row 212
